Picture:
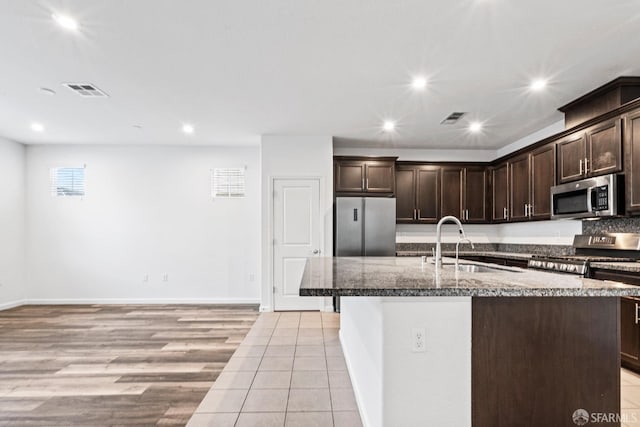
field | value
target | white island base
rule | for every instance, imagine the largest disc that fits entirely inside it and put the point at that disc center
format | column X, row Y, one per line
column 396, row 385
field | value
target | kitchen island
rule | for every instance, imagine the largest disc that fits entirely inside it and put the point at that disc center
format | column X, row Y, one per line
column 480, row 345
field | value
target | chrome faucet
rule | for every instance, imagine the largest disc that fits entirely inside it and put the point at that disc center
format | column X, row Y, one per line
column 449, row 218
column 460, row 240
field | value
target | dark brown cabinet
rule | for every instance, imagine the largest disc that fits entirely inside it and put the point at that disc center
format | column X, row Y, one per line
column 531, row 177
column 417, row 194
column 632, row 160
column 630, row 331
column 595, row 151
column 629, row 316
column 464, row 193
column 500, row 192
column 362, row 175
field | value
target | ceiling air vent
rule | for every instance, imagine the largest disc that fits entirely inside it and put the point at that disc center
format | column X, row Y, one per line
column 452, row 118
column 86, row 90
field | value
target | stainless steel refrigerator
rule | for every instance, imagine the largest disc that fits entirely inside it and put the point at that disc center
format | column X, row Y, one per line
column 365, row 226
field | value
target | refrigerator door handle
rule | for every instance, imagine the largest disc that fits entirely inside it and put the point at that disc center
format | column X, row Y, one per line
column 355, row 215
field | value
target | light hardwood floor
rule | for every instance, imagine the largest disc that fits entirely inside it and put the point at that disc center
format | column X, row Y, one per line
column 111, row 365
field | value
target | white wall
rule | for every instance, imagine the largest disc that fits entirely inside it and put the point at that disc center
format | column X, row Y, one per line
column 557, row 232
column 294, row 156
column 12, row 225
column 147, row 211
column 421, row 155
column 536, row 136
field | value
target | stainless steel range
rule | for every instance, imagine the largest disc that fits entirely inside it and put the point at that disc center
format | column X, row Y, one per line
column 613, row 247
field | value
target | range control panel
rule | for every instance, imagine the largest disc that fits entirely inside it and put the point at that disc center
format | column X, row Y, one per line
column 559, row 266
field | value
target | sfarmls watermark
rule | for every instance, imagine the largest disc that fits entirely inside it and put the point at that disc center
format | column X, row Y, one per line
column 582, row 417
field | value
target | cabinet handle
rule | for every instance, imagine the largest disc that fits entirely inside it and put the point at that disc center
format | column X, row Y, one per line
column 418, row 215
column 415, row 214
column 526, row 210
column 586, row 167
column 367, row 187
column 580, row 166
column 530, row 211
column 363, row 187
column 637, row 318
column 504, row 213
column 467, row 214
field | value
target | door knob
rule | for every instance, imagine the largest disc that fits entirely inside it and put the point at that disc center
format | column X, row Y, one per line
column 316, row 251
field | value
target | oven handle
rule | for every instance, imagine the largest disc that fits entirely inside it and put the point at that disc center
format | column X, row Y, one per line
column 589, row 204
column 637, row 318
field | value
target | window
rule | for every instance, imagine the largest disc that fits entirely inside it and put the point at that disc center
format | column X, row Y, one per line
column 227, row 182
column 67, row 182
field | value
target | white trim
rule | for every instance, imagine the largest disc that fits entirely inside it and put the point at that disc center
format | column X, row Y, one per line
column 55, row 301
column 265, row 308
column 12, row 304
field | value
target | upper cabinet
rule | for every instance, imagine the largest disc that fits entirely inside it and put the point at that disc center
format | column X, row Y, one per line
column 530, row 178
column 464, row 193
column 417, row 194
column 632, row 161
column 500, row 192
column 591, row 152
column 364, row 176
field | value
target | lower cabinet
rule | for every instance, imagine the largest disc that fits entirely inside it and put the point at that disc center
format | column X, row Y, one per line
column 629, row 317
column 630, row 332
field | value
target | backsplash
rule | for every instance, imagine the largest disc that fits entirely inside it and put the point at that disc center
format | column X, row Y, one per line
column 612, row 225
column 489, row 247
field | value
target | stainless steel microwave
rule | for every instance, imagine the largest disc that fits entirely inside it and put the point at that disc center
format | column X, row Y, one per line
column 599, row 196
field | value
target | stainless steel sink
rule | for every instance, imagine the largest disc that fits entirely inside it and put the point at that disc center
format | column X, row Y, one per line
column 475, row 268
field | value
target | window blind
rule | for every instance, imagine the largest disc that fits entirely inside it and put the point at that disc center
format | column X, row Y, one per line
column 227, row 182
column 67, row 182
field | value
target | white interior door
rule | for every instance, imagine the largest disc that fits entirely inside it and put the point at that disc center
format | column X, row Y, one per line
column 296, row 236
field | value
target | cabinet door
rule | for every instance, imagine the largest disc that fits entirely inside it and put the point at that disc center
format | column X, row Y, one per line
column 428, row 194
column 475, row 194
column 405, row 195
column 451, row 195
column 543, row 176
column 500, row 193
column 379, row 177
column 605, row 149
column 349, row 176
column 519, row 188
column 629, row 330
column 632, row 160
column 572, row 152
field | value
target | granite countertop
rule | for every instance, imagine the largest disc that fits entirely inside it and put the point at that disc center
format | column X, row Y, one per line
column 495, row 254
column 404, row 276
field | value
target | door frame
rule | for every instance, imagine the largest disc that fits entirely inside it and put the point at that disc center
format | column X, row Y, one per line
column 268, row 291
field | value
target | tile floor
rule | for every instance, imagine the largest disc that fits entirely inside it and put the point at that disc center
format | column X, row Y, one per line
column 630, row 396
column 288, row 371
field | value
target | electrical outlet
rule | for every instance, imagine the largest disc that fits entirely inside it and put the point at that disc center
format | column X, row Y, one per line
column 145, row 278
column 418, row 344
column 252, row 277
column 165, row 277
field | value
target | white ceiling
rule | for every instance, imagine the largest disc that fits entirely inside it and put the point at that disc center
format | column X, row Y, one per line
column 238, row 69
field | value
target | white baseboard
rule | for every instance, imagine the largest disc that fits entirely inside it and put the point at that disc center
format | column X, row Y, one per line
column 356, row 390
column 57, row 301
column 12, row 304
column 265, row 308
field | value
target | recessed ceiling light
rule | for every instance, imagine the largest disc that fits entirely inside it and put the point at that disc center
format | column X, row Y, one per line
column 65, row 21
column 186, row 128
column 475, row 127
column 388, row 126
column 419, row 83
column 37, row 127
column 538, row 84
column 47, row 91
